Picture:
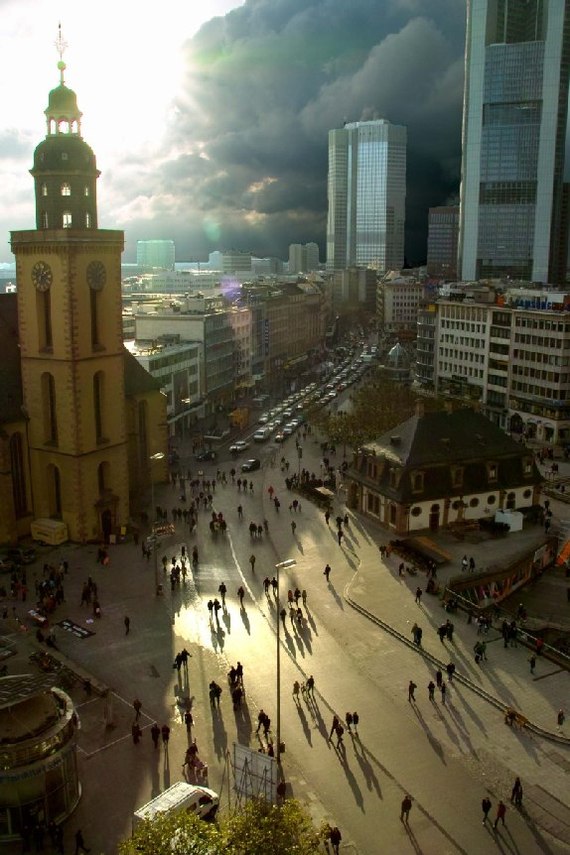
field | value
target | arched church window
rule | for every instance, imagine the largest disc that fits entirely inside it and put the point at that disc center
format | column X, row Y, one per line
column 104, row 477
column 98, row 404
column 43, row 306
column 54, row 490
column 49, row 408
column 18, row 475
column 65, row 189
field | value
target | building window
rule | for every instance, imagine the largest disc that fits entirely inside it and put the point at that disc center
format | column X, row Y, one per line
column 49, row 408
column 44, row 190
column 18, row 475
column 98, row 401
column 54, row 491
column 473, row 503
column 373, row 504
column 457, row 476
column 43, row 307
column 44, row 220
column 527, row 494
column 491, row 500
column 394, row 477
column 64, row 155
column 103, row 477
column 492, row 471
column 87, row 220
column 67, row 220
column 86, row 190
column 65, row 189
column 511, row 501
column 94, row 302
column 416, row 512
column 417, row 482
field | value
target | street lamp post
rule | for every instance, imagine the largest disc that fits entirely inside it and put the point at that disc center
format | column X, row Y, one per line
column 280, row 566
column 158, row 456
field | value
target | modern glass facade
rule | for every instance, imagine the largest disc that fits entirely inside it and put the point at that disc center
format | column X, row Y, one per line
column 366, row 195
column 513, row 221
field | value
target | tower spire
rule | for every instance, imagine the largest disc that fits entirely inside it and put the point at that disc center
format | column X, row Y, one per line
column 60, row 45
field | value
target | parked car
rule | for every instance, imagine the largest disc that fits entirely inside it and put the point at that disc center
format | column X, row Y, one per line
column 18, row 555
column 205, row 455
column 251, row 465
column 239, row 446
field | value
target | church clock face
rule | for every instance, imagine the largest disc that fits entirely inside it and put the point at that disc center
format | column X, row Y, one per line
column 42, row 276
column 96, row 275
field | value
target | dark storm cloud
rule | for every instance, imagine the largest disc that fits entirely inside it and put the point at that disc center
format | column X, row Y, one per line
column 265, row 84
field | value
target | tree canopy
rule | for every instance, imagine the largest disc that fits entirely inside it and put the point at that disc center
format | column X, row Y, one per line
column 375, row 408
column 256, row 828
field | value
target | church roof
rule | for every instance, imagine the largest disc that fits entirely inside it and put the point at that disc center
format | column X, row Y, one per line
column 137, row 378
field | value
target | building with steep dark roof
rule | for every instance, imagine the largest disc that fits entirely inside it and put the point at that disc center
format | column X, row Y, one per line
column 440, row 468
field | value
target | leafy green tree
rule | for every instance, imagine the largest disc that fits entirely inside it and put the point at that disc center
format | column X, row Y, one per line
column 174, row 834
column 260, row 828
column 256, row 828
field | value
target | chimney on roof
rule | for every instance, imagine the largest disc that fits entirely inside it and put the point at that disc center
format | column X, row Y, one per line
column 420, row 408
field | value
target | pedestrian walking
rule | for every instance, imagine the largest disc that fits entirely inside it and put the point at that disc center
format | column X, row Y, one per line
column 517, row 792
column 241, row 594
column 501, row 813
column 266, row 584
column 406, row 808
column 335, row 838
column 450, row 671
column 155, row 734
column 411, row 689
column 165, row 731
column 355, row 720
column 339, row 730
column 274, row 586
column 560, row 718
column 304, row 597
column 283, row 615
column 252, row 562
column 296, row 690
column 431, row 690
column 136, row 733
column 438, row 679
column 80, row 842
column 222, row 591
column 188, row 720
column 137, row 708
column 348, row 719
column 443, row 689
column 293, row 526
column 327, row 572
column 418, row 594
column 311, row 685
column 260, row 720
column 339, row 536
column 127, row 622
column 532, row 663
column 485, row 807
column 334, row 724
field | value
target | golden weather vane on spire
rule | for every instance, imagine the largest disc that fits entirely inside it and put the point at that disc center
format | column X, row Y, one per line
column 60, row 45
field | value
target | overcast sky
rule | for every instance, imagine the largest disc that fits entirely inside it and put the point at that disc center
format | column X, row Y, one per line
column 209, row 120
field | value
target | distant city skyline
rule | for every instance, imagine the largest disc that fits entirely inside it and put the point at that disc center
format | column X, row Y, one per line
column 212, row 131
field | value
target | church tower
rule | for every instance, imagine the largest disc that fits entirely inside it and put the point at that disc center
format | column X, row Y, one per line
column 70, row 329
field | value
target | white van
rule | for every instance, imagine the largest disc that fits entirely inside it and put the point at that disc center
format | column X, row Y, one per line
column 180, row 797
column 262, row 435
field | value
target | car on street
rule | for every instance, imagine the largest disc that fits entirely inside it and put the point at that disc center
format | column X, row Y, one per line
column 262, row 435
column 263, row 419
column 239, row 446
column 6, row 566
column 205, row 455
column 280, row 437
column 18, row 555
column 251, row 465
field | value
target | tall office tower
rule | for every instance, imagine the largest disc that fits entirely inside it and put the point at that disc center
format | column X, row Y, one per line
column 303, row 258
column 512, row 220
column 156, row 254
column 366, row 195
column 443, row 228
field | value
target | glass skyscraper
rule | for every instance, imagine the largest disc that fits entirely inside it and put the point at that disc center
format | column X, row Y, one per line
column 513, row 218
column 366, row 195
